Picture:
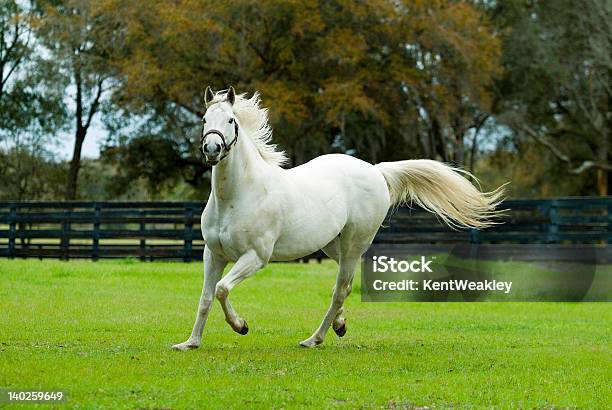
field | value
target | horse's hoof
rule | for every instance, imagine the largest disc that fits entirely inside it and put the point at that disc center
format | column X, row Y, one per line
column 245, row 328
column 185, row 346
column 340, row 330
column 310, row 342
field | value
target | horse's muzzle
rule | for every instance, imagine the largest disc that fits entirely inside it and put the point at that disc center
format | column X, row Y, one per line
column 211, row 161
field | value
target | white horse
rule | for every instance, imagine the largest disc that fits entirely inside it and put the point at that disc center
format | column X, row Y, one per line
column 259, row 212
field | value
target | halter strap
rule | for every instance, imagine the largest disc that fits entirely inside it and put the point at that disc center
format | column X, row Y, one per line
column 226, row 146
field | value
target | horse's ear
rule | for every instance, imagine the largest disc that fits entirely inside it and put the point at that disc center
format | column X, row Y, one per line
column 208, row 96
column 231, row 95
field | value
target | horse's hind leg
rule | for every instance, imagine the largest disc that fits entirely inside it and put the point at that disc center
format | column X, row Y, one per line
column 350, row 255
column 332, row 250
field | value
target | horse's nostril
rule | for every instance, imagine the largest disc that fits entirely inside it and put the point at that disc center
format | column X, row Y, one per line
column 212, row 148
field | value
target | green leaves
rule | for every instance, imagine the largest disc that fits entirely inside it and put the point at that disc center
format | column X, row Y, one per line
column 556, row 87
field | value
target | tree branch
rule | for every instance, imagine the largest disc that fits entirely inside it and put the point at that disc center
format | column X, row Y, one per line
column 13, row 43
column 258, row 52
column 79, row 94
column 93, row 108
column 546, row 143
column 5, row 52
column 586, row 165
column 198, row 113
column 12, row 69
column 1, row 40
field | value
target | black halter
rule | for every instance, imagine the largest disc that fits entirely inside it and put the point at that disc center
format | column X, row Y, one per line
column 226, row 146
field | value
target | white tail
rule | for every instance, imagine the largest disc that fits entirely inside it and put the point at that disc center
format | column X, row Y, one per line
column 441, row 189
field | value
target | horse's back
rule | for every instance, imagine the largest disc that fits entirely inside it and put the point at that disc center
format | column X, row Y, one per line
column 357, row 179
column 361, row 186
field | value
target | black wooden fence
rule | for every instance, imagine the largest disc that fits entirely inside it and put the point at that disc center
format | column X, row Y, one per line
column 171, row 230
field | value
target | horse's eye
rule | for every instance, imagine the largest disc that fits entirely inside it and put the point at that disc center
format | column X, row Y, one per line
column 203, row 120
column 231, row 120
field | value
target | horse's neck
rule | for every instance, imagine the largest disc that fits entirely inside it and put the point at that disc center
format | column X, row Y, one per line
column 241, row 169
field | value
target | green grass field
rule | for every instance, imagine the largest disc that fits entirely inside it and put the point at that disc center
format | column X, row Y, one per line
column 103, row 331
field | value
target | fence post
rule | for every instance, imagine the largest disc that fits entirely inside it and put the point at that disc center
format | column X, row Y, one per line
column 553, row 225
column 95, row 254
column 474, row 235
column 12, row 231
column 143, row 241
column 188, row 246
column 65, row 239
column 609, row 223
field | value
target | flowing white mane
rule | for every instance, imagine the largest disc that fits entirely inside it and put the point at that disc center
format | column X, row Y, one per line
column 253, row 120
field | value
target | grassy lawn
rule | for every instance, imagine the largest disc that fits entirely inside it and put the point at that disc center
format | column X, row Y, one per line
column 103, row 331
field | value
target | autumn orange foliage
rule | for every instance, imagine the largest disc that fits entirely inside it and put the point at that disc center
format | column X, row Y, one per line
column 395, row 79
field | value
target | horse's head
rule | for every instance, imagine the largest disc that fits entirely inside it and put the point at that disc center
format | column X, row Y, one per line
column 219, row 126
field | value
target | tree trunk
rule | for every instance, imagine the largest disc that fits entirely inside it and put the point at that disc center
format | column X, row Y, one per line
column 473, row 151
column 75, row 165
column 438, row 141
column 458, row 154
column 603, row 175
column 602, row 182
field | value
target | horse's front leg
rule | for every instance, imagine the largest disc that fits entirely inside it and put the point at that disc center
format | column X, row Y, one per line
column 245, row 266
column 213, row 269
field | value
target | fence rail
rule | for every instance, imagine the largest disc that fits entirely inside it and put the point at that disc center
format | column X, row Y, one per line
column 171, row 230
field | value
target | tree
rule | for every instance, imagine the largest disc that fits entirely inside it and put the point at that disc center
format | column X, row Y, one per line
column 77, row 36
column 556, row 90
column 15, row 47
column 29, row 113
column 27, row 172
column 458, row 56
column 389, row 80
column 23, row 103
